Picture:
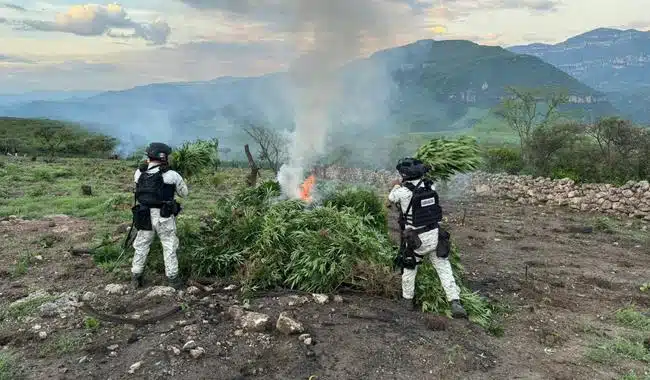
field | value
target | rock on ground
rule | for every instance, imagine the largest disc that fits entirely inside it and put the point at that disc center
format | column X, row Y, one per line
column 288, row 325
column 249, row 320
column 116, row 289
column 161, row 291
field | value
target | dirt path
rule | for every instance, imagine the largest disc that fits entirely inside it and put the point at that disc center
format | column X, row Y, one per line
column 559, row 290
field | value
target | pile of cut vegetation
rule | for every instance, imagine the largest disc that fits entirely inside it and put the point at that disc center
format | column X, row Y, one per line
column 341, row 243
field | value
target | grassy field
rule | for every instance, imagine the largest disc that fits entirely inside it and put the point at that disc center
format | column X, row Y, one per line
column 34, row 189
column 569, row 305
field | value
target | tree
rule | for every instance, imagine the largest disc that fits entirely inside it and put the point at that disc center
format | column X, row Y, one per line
column 621, row 144
column 52, row 138
column 523, row 113
column 546, row 140
column 273, row 146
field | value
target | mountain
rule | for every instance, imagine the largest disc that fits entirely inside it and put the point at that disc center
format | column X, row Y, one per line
column 7, row 100
column 605, row 59
column 610, row 60
column 633, row 103
column 424, row 86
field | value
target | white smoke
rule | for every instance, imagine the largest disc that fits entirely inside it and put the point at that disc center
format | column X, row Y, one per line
column 338, row 29
column 329, row 33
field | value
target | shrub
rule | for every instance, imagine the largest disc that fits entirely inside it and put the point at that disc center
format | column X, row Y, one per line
column 9, row 368
column 195, row 157
column 503, row 159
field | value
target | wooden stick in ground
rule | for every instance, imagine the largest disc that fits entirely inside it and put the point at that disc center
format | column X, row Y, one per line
column 125, row 320
column 251, row 180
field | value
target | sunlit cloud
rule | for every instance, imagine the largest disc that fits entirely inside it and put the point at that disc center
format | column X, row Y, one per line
column 96, row 20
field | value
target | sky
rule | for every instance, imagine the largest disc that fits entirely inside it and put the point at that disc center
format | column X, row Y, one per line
column 55, row 45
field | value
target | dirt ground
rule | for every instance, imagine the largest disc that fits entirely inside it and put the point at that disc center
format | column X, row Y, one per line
column 559, row 283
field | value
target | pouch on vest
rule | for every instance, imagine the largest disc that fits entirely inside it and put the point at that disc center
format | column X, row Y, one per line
column 406, row 259
column 412, row 239
column 444, row 244
column 170, row 208
column 141, row 218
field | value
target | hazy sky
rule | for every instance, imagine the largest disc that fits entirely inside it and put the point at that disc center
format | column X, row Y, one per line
column 61, row 44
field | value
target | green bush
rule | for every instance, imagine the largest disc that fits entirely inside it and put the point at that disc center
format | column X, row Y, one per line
column 52, row 138
column 195, row 157
column 611, row 150
column 9, row 368
column 503, row 159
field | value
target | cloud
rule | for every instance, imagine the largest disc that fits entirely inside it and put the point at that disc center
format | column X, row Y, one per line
column 455, row 9
column 96, row 20
column 13, row 6
column 13, row 59
column 300, row 12
column 534, row 5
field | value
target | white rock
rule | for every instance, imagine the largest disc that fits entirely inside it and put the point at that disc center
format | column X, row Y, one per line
column 175, row 350
column 308, row 341
column 192, row 290
column 114, row 289
column 197, row 352
column 161, row 291
column 113, row 347
column 134, row 367
column 320, row 298
column 302, row 337
column 252, row 321
column 288, row 325
column 89, row 297
column 190, row 345
column 42, row 335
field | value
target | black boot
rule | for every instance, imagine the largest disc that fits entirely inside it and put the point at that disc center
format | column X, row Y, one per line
column 408, row 304
column 136, row 281
column 175, row 282
column 457, row 310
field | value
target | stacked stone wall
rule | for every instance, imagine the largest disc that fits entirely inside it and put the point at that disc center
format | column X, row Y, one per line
column 630, row 200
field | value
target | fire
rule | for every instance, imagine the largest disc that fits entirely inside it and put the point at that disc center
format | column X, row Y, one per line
column 306, row 187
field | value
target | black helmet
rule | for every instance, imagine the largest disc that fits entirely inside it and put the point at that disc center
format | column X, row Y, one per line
column 411, row 168
column 158, row 151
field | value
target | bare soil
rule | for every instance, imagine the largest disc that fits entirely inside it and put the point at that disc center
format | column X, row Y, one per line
column 558, row 283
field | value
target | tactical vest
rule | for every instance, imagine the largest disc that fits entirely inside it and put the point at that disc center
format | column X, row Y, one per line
column 151, row 190
column 425, row 206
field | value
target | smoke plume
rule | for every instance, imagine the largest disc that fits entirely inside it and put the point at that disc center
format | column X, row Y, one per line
column 336, row 32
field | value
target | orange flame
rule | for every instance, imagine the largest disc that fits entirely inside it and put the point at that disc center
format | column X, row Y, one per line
column 305, row 193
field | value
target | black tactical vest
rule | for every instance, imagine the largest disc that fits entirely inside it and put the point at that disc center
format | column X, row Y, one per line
column 425, row 206
column 151, row 190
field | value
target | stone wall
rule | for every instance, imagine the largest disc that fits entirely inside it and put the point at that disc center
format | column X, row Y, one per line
column 630, row 200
